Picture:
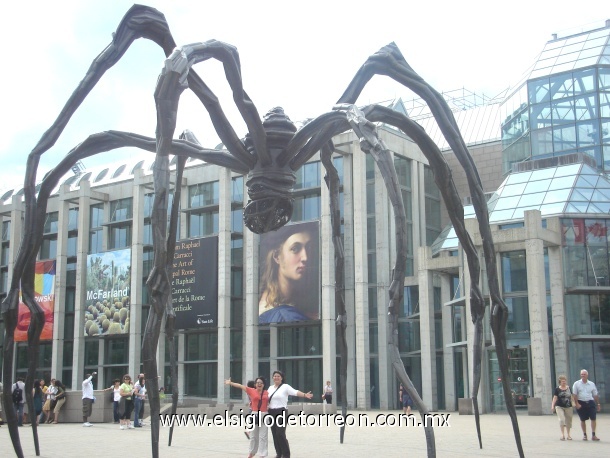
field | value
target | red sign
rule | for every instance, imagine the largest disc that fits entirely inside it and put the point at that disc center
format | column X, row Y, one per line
column 44, row 294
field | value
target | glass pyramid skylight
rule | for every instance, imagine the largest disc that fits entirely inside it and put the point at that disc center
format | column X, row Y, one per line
column 575, row 190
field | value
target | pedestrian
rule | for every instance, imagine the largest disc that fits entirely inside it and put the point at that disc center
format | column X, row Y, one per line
column 49, row 404
column 259, row 400
column 278, row 405
column 327, row 392
column 88, row 398
column 60, row 400
column 405, row 400
column 18, row 392
column 586, row 401
column 139, row 399
column 126, row 392
column 562, row 405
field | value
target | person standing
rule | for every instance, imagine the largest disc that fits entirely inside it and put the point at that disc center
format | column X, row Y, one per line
column 327, row 393
column 37, row 395
column 405, row 400
column 127, row 393
column 88, row 398
column 19, row 399
column 278, row 404
column 139, row 398
column 586, row 401
column 49, row 404
column 60, row 400
column 562, row 405
column 259, row 400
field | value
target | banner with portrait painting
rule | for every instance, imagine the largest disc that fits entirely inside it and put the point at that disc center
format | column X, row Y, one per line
column 289, row 274
column 44, row 295
column 108, row 293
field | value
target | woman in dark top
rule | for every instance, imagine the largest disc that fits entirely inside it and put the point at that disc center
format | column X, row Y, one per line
column 38, row 395
column 562, row 405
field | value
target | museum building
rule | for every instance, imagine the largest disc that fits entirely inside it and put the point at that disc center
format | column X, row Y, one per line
column 542, row 150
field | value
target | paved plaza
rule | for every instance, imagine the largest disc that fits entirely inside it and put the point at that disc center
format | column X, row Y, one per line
column 540, row 436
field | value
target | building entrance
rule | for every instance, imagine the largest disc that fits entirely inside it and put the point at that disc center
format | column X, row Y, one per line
column 519, row 374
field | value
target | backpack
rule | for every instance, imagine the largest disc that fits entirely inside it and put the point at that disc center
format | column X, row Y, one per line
column 17, row 394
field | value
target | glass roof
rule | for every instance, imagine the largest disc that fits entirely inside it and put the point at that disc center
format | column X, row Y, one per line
column 574, row 190
column 572, row 53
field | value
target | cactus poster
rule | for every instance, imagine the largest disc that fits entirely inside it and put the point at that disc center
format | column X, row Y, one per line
column 44, row 295
column 108, row 293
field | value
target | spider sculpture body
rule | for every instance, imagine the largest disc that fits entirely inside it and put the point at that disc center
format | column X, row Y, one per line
column 272, row 151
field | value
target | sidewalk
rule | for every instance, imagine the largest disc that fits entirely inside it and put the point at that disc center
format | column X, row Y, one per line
column 540, row 438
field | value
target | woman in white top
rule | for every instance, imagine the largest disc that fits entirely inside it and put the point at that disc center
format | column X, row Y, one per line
column 278, row 402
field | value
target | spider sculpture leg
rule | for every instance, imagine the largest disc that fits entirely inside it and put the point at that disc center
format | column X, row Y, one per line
column 446, row 185
column 371, row 144
column 390, row 62
column 170, row 314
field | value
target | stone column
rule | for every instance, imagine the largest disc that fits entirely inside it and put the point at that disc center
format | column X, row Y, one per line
column 84, row 224
column 251, row 268
column 350, row 295
column 328, row 313
column 427, row 330
column 137, row 265
column 59, row 311
column 224, row 283
column 482, row 395
column 536, row 295
column 363, row 397
column 448, row 364
column 558, row 310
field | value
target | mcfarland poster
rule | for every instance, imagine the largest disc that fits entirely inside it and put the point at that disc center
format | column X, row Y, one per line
column 108, row 293
column 44, row 294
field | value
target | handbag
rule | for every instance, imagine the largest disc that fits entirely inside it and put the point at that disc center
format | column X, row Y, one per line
column 111, row 397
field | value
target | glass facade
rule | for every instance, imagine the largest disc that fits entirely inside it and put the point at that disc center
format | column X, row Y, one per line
column 563, row 105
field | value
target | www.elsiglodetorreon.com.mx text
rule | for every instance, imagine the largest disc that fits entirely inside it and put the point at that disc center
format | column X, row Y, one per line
column 244, row 420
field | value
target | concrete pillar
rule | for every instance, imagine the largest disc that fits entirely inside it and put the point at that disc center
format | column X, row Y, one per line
column 84, row 225
column 363, row 383
column 560, row 334
column 350, row 285
column 482, row 395
column 17, row 214
column 328, row 310
column 427, row 330
column 250, row 328
column 383, row 214
column 137, row 266
column 224, row 283
column 447, row 326
column 60, row 286
column 536, row 294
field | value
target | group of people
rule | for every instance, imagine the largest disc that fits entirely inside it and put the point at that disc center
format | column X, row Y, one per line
column 128, row 397
column 272, row 400
column 48, row 401
column 584, row 397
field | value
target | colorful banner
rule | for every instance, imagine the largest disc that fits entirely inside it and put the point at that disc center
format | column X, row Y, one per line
column 290, row 274
column 44, row 294
column 195, row 283
column 108, row 293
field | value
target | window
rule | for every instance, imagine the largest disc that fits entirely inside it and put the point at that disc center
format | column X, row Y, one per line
column 121, row 210
column 96, row 219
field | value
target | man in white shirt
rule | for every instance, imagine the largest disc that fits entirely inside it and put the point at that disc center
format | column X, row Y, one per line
column 88, row 398
column 586, row 401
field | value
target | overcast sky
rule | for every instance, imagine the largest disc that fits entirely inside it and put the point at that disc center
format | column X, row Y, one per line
column 298, row 55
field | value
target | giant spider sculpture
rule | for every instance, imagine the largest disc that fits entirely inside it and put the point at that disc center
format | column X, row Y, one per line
column 271, row 153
